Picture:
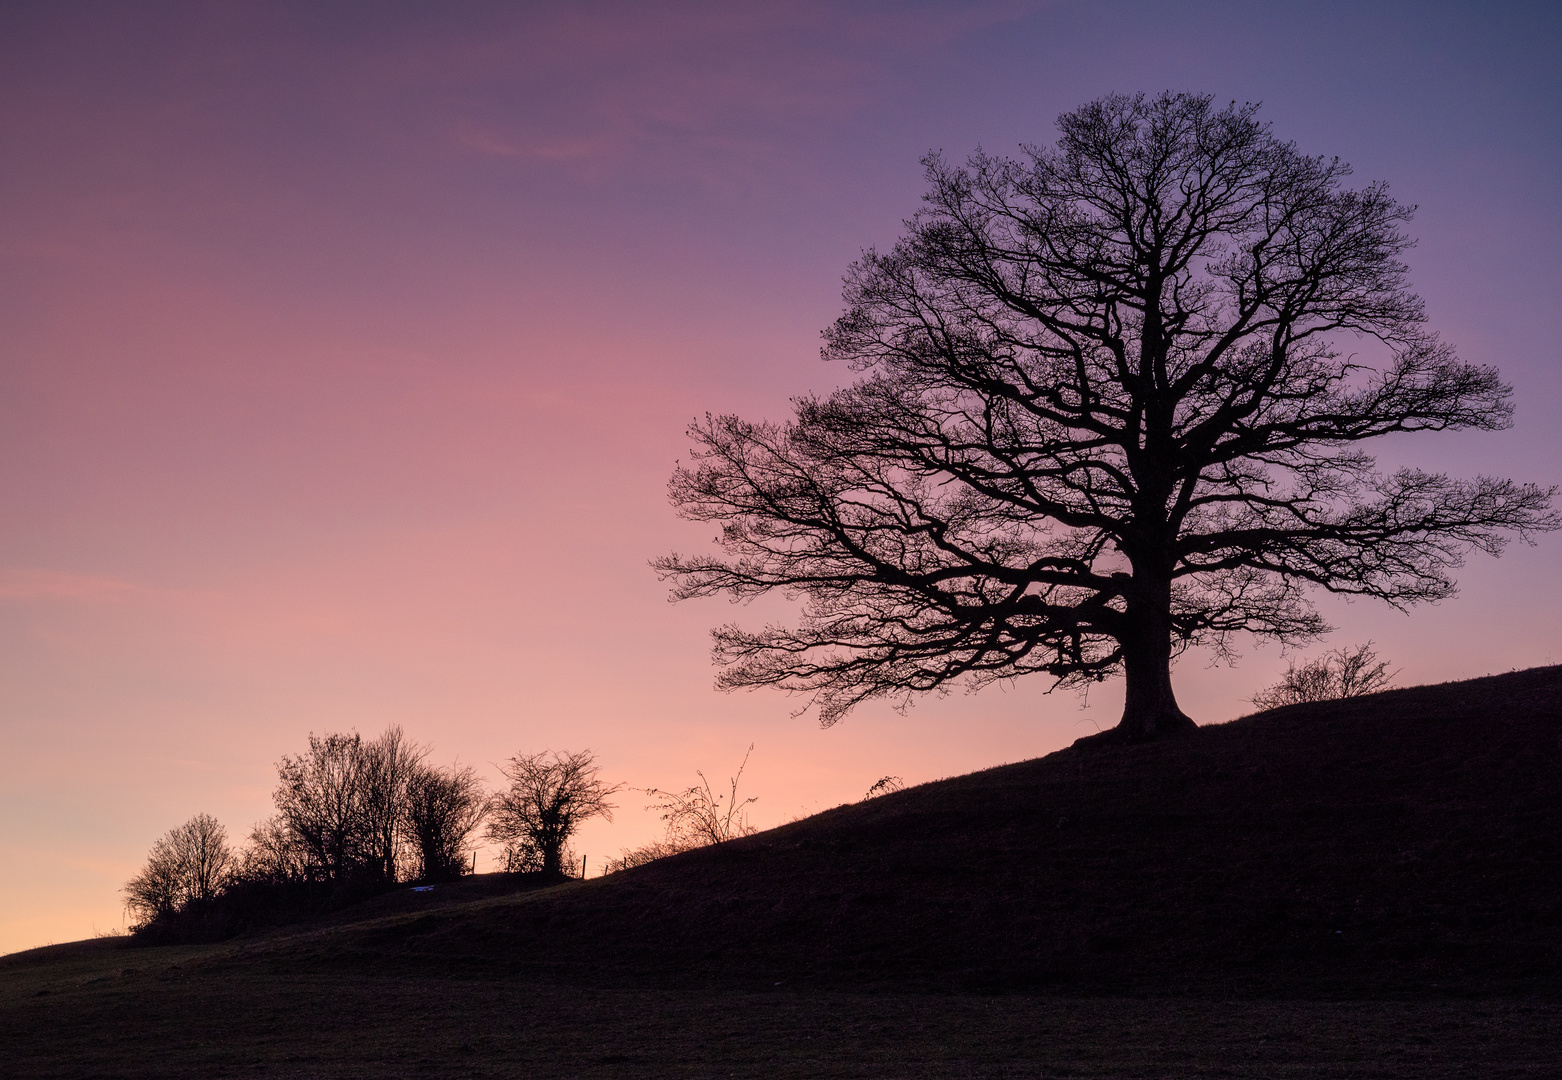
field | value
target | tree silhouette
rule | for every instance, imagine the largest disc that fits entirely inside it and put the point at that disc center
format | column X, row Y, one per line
column 320, row 799
column 549, row 795
column 389, row 765
column 444, row 807
column 187, row 865
column 344, row 803
column 1111, row 407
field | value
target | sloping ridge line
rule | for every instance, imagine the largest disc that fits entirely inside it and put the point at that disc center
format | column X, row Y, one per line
column 1406, row 843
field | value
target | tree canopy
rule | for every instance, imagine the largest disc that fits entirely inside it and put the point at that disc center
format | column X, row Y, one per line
column 1111, row 403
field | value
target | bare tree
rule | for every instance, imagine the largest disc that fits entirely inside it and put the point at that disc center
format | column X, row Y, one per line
column 549, row 795
column 321, row 800
column 272, row 855
column 1112, row 403
column 202, row 844
column 154, row 893
column 1340, row 673
column 445, row 805
column 187, row 865
column 345, row 803
column 388, row 766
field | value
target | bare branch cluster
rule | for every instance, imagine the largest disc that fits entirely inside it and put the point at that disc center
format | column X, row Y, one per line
column 696, row 816
column 1340, row 673
column 630, row 858
column 885, row 785
column 1111, row 403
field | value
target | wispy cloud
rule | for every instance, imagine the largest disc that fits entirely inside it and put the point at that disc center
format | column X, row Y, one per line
column 32, row 583
column 695, row 89
column 490, row 143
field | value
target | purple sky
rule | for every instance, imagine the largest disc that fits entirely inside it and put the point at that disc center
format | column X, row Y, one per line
column 345, row 351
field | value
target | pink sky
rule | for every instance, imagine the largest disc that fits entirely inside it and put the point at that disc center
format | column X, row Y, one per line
column 345, row 351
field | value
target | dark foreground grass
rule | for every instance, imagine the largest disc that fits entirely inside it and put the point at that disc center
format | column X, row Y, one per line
column 203, row 1013
column 1358, row 889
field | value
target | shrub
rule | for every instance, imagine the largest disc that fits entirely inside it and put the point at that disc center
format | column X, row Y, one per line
column 1341, row 673
column 695, row 817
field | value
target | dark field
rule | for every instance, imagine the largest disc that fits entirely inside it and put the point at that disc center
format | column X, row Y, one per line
column 184, row 1013
column 1356, row 889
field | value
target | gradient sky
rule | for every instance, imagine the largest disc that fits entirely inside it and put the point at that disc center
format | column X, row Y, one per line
column 346, row 349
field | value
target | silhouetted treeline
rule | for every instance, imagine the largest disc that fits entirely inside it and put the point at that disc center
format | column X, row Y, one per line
column 353, row 817
column 357, row 817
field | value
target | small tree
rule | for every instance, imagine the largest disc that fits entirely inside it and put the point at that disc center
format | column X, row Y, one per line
column 445, row 805
column 388, row 767
column 1341, row 673
column 320, row 798
column 549, row 795
column 187, row 865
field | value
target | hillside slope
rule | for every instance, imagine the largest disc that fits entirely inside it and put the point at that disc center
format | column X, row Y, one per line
column 1406, row 843
column 1180, row 910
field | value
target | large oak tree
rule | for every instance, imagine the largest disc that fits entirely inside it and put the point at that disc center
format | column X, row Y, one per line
column 1112, row 403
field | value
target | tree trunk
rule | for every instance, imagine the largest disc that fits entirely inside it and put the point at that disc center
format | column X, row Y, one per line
column 550, row 841
column 1150, row 707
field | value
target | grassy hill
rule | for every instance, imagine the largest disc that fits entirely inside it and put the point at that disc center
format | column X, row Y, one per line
column 1409, row 842
column 1403, row 849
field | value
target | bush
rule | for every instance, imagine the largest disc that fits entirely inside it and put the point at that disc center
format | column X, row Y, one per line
column 629, row 858
column 272, row 855
column 695, row 817
column 1342, row 673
